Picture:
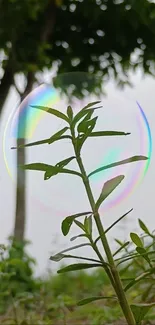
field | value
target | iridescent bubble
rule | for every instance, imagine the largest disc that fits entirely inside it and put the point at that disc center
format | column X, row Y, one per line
column 98, row 153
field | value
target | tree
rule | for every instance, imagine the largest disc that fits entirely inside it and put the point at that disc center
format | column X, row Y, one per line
column 95, row 36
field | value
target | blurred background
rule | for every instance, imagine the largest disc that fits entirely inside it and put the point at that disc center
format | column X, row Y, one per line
column 78, row 51
column 64, row 44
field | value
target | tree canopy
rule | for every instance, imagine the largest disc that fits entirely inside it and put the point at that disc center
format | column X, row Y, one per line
column 95, row 39
column 95, row 36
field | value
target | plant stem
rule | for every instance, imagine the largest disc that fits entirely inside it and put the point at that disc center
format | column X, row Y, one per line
column 118, row 284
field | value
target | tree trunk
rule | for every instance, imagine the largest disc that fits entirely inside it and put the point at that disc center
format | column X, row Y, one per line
column 5, row 85
column 20, row 217
column 21, row 179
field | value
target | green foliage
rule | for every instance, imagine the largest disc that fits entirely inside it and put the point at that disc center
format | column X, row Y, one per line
column 118, row 163
column 84, row 129
column 54, row 298
column 108, row 188
column 36, row 38
column 136, row 240
column 140, row 310
column 16, row 269
column 88, row 300
column 76, row 267
column 68, row 221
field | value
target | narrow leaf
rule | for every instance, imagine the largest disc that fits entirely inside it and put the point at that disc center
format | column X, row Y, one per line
column 113, row 224
column 136, row 239
column 142, row 251
column 36, row 143
column 45, row 141
column 67, row 222
column 79, row 224
column 53, row 170
column 82, row 139
column 121, row 248
column 91, row 104
column 57, row 257
column 108, row 188
column 143, row 226
column 49, row 169
column 88, row 225
column 140, row 311
column 36, row 166
column 136, row 280
column 78, row 236
column 77, row 267
column 83, row 124
column 118, row 220
column 57, row 135
column 65, row 162
column 70, row 112
column 91, row 299
column 108, row 133
column 118, row 163
column 52, row 111
column 81, row 114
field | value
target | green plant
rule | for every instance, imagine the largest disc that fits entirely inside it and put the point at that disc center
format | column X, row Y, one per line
column 16, row 273
column 80, row 127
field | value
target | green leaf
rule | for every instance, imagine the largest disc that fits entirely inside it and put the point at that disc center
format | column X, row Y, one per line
column 79, row 224
column 143, row 226
column 118, row 220
column 81, row 114
column 91, row 104
column 57, row 135
column 142, row 251
column 82, row 126
column 118, row 163
column 70, row 112
column 35, row 166
column 52, row 111
column 123, row 245
column 49, row 169
column 136, row 239
column 137, row 279
column 36, row 143
column 108, row 188
column 53, row 170
column 87, row 126
column 67, row 222
column 113, row 224
column 108, row 133
column 45, row 141
column 78, row 236
column 91, row 299
column 65, row 162
column 82, row 139
column 57, row 257
column 140, row 311
column 88, row 225
column 77, row 267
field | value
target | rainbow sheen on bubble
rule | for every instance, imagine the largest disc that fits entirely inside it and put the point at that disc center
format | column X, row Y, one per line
column 135, row 174
column 46, row 95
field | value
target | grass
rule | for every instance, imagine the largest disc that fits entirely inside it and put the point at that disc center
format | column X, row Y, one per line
column 53, row 302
